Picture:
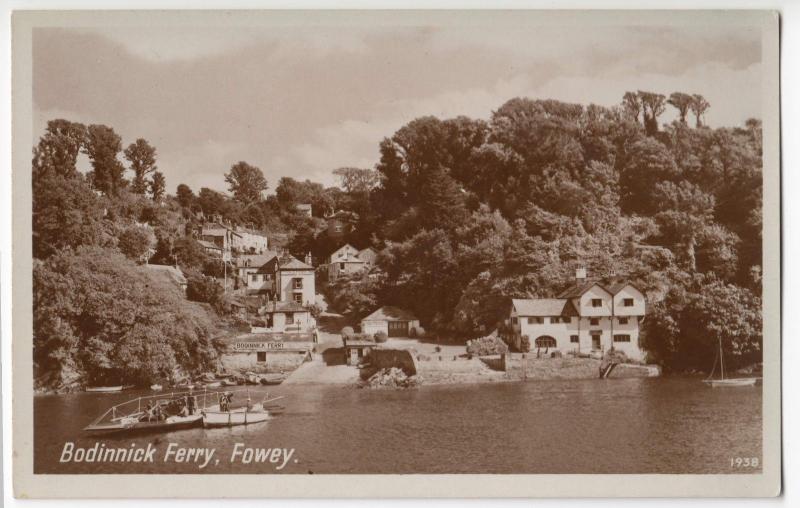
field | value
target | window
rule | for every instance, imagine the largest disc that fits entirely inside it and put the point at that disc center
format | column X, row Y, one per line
column 254, row 277
column 535, row 320
column 514, row 320
column 297, row 283
column 594, row 321
column 574, row 339
column 623, row 321
column 290, row 318
column 341, row 266
column 338, row 228
column 545, row 342
column 622, row 338
column 298, row 298
column 341, row 254
column 627, row 302
column 261, row 356
column 597, row 302
column 560, row 319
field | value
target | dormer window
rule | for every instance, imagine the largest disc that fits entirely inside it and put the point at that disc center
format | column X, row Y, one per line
column 627, row 302
column 597, row 302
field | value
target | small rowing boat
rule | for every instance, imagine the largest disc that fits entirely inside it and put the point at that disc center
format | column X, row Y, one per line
column 156, row 387
column 104, row 389
column 214, row 416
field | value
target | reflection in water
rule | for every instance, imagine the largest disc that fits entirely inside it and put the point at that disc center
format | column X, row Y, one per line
column 666, row 425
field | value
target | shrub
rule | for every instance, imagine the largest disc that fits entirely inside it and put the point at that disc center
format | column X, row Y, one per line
column 347, row 331
column 316, row 311
column 489, row 345
column 418, row 331
column 201, row 288
column 381, row 337
column 525, row 344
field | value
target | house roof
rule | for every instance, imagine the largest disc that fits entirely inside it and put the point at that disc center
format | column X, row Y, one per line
column 541, row 307
column 389, row 313
column 343, row 215
column 174, row 273
column 367, row 249
column 292, row 263
column 612, row 286
column 208, row 245
column 254, row 260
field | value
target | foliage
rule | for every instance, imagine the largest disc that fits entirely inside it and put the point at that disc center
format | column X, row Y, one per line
column 142, row 158
column 136, row 243
column 100, row 319
column 381, row 337
column 484, row 346
column 202, row 288
column 246, row 182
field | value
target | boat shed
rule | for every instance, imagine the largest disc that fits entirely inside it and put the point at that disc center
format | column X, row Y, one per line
column 393, row 321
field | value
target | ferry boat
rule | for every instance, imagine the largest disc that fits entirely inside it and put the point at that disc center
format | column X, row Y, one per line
column 180, row 410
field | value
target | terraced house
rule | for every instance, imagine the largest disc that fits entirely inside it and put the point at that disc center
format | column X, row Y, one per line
column 590, row 316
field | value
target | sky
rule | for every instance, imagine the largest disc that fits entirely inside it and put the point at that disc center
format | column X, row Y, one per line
column 302, row 100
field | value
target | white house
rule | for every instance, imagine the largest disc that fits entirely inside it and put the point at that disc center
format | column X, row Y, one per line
column 590, row 316
column 345, row 261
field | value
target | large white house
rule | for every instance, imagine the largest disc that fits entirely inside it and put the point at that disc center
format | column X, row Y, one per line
column 591, row 316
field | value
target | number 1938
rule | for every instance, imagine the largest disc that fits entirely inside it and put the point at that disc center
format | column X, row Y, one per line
column 744, row 462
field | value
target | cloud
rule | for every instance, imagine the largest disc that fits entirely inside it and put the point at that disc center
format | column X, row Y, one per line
column 301, row 100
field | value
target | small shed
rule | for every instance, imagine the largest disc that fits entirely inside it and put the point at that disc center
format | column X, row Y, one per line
column 356, row 348
column 393, row 321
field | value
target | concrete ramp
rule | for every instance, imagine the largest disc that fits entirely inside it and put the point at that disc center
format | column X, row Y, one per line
column 316, row 372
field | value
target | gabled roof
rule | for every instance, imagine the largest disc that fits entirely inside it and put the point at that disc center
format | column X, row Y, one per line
column 367, row 249
column 577, row 290
column 612, row 287
column 389, row 313
column 344, row 247
column 269, row 266
column 541, row 307
column 254, row 260
column 292, row 263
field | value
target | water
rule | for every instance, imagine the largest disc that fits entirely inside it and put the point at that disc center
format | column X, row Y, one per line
column 662, row 425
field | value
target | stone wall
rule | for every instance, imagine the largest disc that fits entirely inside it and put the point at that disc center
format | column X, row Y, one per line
column 387, row 358
column 281, row 361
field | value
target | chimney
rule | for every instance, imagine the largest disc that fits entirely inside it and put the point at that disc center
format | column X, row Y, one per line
column 580, row 275
column 308, row 259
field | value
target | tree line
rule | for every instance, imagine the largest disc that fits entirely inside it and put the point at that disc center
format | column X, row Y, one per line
column 465, row 214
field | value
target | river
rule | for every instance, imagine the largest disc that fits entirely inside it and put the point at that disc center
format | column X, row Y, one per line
column 657, row 425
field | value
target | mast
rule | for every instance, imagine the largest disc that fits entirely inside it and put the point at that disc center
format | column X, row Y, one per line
column 721, row 360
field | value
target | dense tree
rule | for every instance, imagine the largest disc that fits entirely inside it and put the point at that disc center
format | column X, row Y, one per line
column 682, row 102
column 699, row 106
column 100, row 319
column 103, row 146
column 653, row 105
column 357, row 180
column 136, row 243
column 185, row 196
column 66, row 214
column 158, row 184
column 142, row 158
column 246, row 182
column 58, row 149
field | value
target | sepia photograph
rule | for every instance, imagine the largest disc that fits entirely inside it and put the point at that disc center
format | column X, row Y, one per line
column 300, row 244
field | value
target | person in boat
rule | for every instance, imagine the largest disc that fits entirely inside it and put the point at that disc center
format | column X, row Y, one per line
column 148, row 411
